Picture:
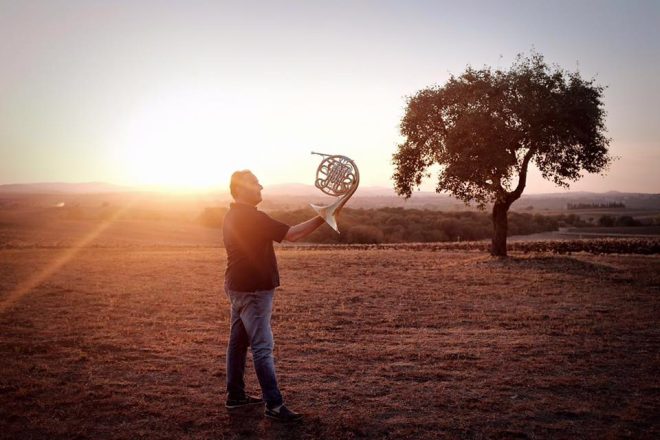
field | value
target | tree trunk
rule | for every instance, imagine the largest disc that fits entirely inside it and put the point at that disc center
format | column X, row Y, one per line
column 501, row 208
column 500, row 226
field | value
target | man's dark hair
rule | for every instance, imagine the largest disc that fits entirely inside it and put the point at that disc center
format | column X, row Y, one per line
column 237, row 180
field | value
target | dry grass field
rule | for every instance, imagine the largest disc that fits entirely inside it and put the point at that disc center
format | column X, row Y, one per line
column 129, row 342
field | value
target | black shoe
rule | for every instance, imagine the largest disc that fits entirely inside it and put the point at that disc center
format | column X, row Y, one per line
column 283, row 414
column 245, row 401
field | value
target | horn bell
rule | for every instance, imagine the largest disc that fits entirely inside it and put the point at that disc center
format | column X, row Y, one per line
column 327, row 213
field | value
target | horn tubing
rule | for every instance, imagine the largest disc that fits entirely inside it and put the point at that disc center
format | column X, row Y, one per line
column 328, row 212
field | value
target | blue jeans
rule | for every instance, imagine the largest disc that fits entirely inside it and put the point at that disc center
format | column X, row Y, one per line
column 250, row 326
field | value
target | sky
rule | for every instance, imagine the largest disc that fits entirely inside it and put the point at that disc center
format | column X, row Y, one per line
column 182, row 93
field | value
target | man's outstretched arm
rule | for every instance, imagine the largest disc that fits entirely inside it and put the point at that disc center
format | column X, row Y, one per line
column 302, row 230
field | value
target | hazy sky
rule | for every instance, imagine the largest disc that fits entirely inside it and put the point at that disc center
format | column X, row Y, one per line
column 182, row 93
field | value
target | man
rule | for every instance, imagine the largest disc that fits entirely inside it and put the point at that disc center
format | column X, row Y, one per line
column 250, row 281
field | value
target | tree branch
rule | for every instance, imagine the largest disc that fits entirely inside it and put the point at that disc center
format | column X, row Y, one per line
column 522, row 180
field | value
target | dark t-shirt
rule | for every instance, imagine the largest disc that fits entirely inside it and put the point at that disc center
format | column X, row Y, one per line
column 249, row 234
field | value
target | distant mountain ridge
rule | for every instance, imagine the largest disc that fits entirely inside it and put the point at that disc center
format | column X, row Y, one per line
column 291, row 189
column 65, row 187
column 292, row 196
column 301, row 189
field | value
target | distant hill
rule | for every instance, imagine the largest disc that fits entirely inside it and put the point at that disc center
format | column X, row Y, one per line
column 379, row 197
column 294, row 196
column 560, row 201
column 300, row 189
column 62, row 187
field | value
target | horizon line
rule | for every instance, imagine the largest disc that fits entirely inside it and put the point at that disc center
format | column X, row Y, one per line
column 158, row 188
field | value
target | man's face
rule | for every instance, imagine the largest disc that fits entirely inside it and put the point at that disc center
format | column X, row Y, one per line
column 251, row 190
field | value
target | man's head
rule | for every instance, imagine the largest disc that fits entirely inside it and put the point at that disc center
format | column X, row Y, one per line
column 245, row 187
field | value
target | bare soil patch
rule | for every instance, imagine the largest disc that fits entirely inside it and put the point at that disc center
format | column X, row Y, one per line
column 386, row 343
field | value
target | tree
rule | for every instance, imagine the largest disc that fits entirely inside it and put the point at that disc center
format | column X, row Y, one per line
column 485, row 126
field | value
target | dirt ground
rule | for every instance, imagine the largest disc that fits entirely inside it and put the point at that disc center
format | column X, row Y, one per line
column 129, row 343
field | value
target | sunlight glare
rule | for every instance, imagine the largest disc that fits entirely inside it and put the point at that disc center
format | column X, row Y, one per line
column 183, row 140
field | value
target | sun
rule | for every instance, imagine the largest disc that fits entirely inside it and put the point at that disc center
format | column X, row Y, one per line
column 181, row 140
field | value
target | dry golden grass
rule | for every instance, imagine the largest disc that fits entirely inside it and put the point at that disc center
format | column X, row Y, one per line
column 129, row 343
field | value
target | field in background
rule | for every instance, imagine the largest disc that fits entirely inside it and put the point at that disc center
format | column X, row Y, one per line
column 127, row 342
column 35, row 222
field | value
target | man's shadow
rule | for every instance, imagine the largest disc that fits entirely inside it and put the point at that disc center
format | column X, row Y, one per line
column 250, row 423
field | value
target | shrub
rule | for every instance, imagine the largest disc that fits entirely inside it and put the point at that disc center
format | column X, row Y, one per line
column 364, row 234
column 212, row 217
column 626, row 220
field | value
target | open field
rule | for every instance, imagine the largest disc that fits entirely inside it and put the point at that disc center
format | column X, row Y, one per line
column 129, row 343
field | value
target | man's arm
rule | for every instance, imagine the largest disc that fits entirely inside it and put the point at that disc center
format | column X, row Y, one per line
column 302, row 230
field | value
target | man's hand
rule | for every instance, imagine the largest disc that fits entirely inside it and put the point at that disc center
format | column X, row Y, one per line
column 302, row 230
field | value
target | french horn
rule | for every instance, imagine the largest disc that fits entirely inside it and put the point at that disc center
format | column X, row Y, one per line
column 336, row 176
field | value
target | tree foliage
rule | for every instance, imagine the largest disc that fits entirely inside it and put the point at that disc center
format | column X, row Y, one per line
column 485, row 126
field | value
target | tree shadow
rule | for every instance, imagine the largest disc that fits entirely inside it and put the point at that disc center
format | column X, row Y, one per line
column 556, row 264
